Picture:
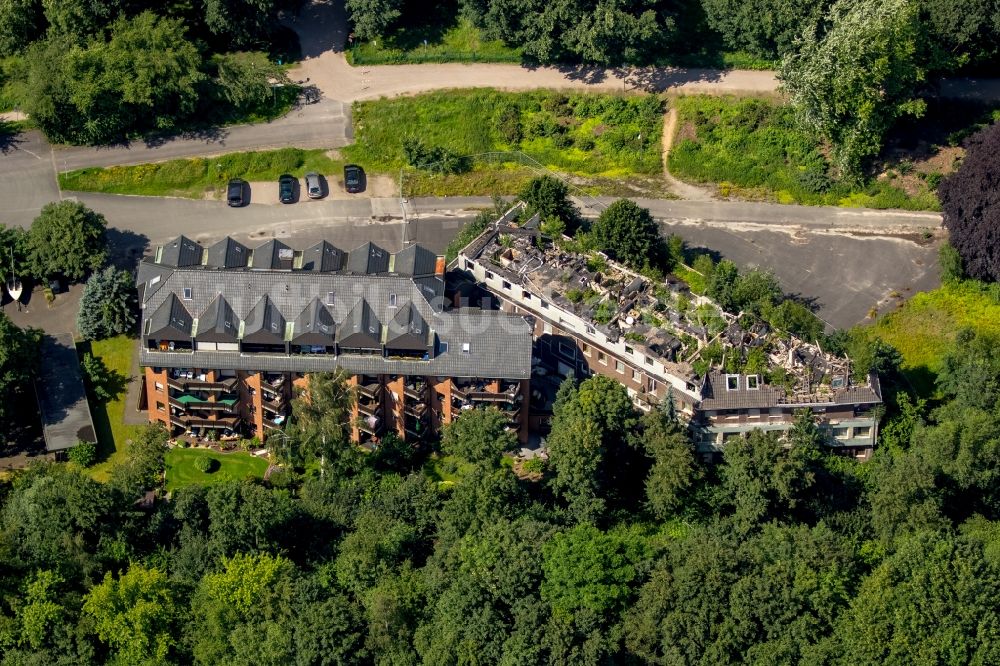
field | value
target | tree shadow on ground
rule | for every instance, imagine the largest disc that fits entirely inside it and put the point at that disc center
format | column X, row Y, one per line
column 10, row 137
column 125, row 248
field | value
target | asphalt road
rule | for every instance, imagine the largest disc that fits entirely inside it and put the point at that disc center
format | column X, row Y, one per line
column 27, row 179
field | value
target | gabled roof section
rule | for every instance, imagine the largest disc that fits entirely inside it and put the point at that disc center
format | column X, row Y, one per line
column 149, row 277
column 170, row 321
column 180, row 252
column 361, row 329
column 314, row 326
column 273, row 255
column 323, row 257
column 416, row 261
column 368, row 259
column 228, row 253
column 218, row 323
column 407, row 330
column 265, row 324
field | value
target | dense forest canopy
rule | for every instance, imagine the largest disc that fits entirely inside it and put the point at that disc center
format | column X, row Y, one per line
column 624, row 547
column 100, row 71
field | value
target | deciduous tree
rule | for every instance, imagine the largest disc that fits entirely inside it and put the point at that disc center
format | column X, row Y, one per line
column 629, row 234
column 67, row 239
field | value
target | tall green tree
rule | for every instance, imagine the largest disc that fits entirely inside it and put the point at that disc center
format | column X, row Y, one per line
column 321, row 420
column 21, row 22
column 479, row 436
column 134, row 614
column 18, row 363
column 675, row 469
column 246, row 78
column 240, row 23
column 107, row 306
column 372, row 18
column 80, row 18
column 764, row 28
column 629, row 234
column 67, row 238
column 852, row 83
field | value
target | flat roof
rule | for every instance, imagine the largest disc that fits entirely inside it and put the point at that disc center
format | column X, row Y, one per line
column 62, row 398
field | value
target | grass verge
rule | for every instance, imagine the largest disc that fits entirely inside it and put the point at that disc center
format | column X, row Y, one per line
column 194, row 178
column 924, row 328
column 754, row 149
column 181, row 469
column 602, row 138
column 109, row 415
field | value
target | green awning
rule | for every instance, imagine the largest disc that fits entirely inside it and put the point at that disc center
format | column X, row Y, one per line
column 187, row 399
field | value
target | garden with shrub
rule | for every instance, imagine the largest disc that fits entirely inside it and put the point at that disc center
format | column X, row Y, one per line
column 190, row 467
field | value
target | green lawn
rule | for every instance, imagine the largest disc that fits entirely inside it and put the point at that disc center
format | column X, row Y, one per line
column 194, row 177
column 924, row 328
column 446, row 470
column 462, row 42
column 109, row 417
column 754, row 149
column 588, row 135
column 181, row 470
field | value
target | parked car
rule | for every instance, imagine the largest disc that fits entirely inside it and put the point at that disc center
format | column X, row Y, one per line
column 314, row 186
column 354, row 178
column 236, row 193
column 286, row 189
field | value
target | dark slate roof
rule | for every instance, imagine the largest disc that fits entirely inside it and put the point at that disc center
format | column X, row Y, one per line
column 408, row 330
column 323, row 257
column 274, row 255
column 170, row 320
column 361, row 328
column 369, row 259
column 314, row 326
column 264, row 324
column 181, row 252
column 228, row 253
column 149, row 277
column 499, row 346
column 716, row 396
column 218, row 323
column 416, row 261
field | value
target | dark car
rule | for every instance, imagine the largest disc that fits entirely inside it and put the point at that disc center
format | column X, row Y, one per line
column 286, row 189
column 354, row 178
column 236, row 193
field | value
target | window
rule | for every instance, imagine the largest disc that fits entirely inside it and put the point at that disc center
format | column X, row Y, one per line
column 586, row 349
column 753, row 382
column 601, row 358
column 506, row 285
column 489, row 275
column 469, row 265
column 547, row 328
column 567, row 350
column 160, row 407
column 444, row 347
column 545, row 305
column 526, row 295
column 636, row 376
column 392, row 300
column 620, row 367
column 466, row 348
column 839, row 433
column 629, row 350
column 158, row 385
column 652, row 386
column 187, row 293
column 649, row 361
column 590, row 329
column 862, row 431
column 329, row 298
column 732, row 382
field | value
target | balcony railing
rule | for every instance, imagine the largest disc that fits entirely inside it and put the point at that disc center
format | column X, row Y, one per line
column 186, row 421
column 416, row 390
column 188, row 384
column 371, row 389
column 368, row 409
column 227, row 405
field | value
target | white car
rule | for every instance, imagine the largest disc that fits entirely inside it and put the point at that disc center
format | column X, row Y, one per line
column 314, row 185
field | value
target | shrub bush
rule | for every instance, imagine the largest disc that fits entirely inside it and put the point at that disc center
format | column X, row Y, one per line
column 206, row 464
column 83, row 454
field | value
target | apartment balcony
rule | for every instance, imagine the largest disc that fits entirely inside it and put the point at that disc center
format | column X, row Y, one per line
column 273, row 383
column 273, row 403
column 186, row 401
column 415, row 390
column 187, row 421
column 370, row 389
column 415, row 429
column 184, row 383
column 416, row 409
column 273, row 424
column 372, row 425
column 481, row 392
column 368, row 408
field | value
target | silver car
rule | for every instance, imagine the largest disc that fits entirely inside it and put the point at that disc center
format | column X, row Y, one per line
column 314, row 186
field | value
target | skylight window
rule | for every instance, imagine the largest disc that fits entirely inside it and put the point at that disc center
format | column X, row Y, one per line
column 732, row 382
column 187, row 293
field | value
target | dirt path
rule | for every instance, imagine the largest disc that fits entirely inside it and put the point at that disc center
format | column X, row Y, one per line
column 676, row 185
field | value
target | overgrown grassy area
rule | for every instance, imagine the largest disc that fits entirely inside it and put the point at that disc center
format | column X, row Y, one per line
column 194, row 178
column 462, row 42
column 182, row 471
column 109, row 415
column 754, row 149
column 924, row 328
column 446, row 470
column 585, row 135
